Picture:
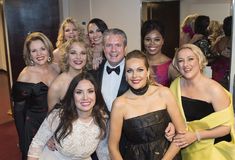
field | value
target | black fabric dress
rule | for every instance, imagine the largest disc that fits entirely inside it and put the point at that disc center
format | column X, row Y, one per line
column 29, row 110
column 195, row 109
column 145, row 136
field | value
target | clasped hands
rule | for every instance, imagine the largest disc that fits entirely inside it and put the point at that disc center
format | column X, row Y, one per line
column 182, row 139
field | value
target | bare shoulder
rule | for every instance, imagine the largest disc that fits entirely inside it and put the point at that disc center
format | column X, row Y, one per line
column 217, row 95
column 25, row 74
column 59, row 82
column 56, row 51
column 214, row 88
column 119, row 104
column 163, row 91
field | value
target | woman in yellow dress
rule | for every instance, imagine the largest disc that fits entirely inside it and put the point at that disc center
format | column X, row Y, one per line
column 206, row 107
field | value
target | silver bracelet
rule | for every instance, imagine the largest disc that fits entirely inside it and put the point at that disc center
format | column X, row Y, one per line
column 198, row 136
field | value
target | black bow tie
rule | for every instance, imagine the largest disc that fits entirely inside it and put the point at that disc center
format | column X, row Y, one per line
column 109, row 70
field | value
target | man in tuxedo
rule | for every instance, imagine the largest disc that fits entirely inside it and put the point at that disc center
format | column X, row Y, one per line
column 111, row 75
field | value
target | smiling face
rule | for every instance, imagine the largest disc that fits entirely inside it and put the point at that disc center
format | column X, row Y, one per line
column 188, row 63
column 95, row 34
column 38, row 52
column 114, row 49
column 136, row 73
column 77, row 56
column 70, row 32
column 153, row 42
column 84, row 96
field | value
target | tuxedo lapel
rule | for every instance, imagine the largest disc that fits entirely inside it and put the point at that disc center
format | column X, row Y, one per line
column 123, row 85
column 99, row 74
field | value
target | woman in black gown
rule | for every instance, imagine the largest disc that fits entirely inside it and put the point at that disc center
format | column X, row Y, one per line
column 29, row 92
column 143, row 112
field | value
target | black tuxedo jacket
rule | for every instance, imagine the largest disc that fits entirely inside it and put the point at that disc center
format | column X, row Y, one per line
column 99, row 76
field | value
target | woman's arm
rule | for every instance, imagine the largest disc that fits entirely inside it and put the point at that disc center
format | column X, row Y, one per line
column 177, row 120
column 44, row 133
column 116, row 123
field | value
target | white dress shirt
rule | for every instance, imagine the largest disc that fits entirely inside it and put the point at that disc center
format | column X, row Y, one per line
column 111, row 83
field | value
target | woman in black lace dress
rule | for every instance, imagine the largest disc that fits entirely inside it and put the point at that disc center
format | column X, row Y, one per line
column 143, row 113
column 29, row 92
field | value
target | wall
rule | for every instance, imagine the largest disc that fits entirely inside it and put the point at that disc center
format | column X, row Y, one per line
column 121, row 14
column 215, row 9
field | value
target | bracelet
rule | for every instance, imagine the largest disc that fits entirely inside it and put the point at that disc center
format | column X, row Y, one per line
column 198, row 136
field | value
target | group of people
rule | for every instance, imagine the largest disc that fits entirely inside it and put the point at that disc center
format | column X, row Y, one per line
column 95, row 101
column 214, row 39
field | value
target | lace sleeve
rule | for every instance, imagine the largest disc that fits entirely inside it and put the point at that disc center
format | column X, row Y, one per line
column 102, row 148
column 44, row 133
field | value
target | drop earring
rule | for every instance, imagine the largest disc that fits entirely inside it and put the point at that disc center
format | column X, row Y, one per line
column 49, row 59
column 31, row 62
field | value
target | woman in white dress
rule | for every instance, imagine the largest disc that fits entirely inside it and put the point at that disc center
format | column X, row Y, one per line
column 77, row 124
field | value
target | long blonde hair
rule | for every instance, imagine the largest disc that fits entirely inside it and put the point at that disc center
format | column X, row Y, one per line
column 61, row 39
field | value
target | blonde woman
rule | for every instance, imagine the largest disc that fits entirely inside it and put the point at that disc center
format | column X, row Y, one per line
column 206, row 107
column 75, row 57
column 29, row 92
column 69, row 29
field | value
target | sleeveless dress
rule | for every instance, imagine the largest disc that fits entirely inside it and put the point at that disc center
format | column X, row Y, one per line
column 160, row 73
column 29, row 110
column 145, row 136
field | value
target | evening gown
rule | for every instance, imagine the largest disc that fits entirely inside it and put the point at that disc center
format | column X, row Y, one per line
column 29, row 110
column 195, row 109
column 145, row 136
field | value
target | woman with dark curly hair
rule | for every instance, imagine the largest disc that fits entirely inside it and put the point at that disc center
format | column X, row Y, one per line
column 77, row 124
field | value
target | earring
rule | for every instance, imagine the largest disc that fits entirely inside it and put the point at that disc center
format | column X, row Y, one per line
column 49, row 59
column 31, row 62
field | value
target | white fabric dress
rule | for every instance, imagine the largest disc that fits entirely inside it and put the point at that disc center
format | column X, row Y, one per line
column 79, row 145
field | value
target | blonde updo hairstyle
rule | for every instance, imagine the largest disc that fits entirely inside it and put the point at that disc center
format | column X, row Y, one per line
column 65, row 48
column 33, row 37
column 197, row 52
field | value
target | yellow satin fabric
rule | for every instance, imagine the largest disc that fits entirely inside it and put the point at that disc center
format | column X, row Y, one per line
column 206, row 149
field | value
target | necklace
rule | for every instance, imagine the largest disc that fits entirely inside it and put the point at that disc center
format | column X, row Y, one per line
column 140, row 91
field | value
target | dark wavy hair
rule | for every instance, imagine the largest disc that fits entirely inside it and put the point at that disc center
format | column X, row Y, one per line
column 68, row 110
column 99, row 23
